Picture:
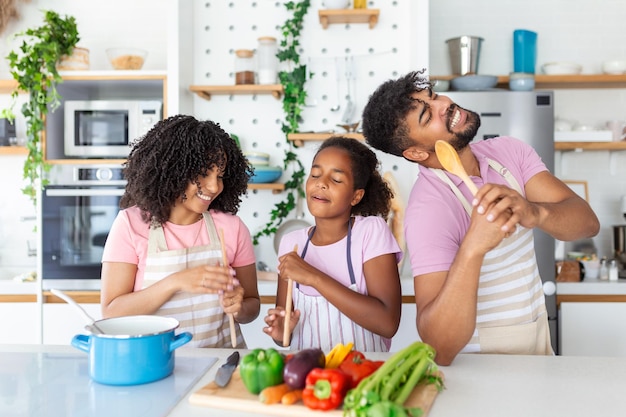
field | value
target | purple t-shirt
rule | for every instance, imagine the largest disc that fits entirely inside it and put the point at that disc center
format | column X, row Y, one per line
column 436, row 222
column 371, row 237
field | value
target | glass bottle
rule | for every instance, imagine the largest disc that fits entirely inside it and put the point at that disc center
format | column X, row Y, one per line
column 267, row 61
column 244, row 66
column 613, row 272
column 604, row 269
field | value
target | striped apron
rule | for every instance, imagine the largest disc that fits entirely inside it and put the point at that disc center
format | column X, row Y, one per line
column 511, row 314
column 200, row 314
column 323, row 325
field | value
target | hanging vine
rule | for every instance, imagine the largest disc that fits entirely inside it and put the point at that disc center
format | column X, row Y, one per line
column 293, row 80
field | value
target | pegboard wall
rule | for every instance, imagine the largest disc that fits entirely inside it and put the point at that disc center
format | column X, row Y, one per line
column 347, row 63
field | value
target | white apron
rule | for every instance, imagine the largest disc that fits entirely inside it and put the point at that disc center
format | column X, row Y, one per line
column 323, row 325
column 200, row 314
column 511, row 314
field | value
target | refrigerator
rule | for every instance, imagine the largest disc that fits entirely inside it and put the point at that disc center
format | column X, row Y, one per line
column 528, row 116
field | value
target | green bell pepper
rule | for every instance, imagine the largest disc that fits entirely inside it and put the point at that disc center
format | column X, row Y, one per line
column 261, row 368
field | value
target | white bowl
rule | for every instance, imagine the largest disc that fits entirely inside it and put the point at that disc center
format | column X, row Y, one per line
column 614, row 67
column 126, row 58
column 561, row 68
column 521, row 81
column 258, row 158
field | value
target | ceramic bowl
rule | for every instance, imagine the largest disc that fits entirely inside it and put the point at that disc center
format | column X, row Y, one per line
column 617, row 66
column 521, row 81
column 126, row 58
column 474, row 82
column 265, row 174
column 561, row 68
column 258, row 158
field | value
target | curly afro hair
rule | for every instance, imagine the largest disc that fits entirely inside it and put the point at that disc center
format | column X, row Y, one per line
column 384, row 115
column 376, row 200
column 175, row 152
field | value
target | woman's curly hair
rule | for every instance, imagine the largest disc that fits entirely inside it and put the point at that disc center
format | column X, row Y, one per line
column 376, row 200
column 175, row 152
column 384, row 114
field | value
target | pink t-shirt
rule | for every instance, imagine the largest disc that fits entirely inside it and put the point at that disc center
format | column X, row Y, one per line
column 436, row 222
column 128, row 239
column 371, row 237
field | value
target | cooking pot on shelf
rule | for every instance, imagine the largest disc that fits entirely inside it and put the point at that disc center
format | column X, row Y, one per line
column 132, row 350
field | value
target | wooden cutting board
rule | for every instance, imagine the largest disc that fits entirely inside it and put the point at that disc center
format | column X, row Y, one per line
column 235, row 396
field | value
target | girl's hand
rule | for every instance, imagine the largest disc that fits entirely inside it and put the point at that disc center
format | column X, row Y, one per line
column 232, row 301
column 275, row 320
column 291, row 265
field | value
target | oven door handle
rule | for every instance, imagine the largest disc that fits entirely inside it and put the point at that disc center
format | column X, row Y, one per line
column 68, row 192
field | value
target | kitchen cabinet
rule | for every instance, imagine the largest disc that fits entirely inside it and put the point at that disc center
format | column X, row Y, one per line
column 592, row 329
column 333, row 16
column 61, row 322
column 20, row 322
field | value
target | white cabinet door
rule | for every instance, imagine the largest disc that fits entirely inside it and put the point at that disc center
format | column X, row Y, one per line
column 407, row 331
column 19, row 324
column 61, row 322
column 253, row 332
column 593, row 329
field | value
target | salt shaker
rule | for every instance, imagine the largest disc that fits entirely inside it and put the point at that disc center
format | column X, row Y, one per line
column 613, row 275
column 604, row 269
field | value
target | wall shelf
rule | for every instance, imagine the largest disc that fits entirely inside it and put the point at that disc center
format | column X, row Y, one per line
column 590, row 146
column 206, row 91
column 274, row 186
column 331, row 16
column 299, row 138
column 13, row 150
column 7, row 86
column 561, row 81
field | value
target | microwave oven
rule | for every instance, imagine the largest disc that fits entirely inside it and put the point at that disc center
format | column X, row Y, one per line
column 106, row 128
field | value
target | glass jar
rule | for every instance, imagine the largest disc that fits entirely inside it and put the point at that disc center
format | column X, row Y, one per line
column 267, row 61
column 244, row 66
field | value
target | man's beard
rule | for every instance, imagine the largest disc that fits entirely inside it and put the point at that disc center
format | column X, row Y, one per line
column 462, row 139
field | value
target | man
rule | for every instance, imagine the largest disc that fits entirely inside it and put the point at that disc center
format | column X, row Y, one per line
column 477, row 285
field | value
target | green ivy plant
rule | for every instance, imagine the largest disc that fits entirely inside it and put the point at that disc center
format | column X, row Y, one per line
column 33, row 66
column 293, row 80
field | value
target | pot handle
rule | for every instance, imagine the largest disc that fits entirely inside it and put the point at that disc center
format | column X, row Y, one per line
column 179, row 340
column 81, row 342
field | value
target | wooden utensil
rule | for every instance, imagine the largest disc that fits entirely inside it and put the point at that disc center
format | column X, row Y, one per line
column 231, row 319
column 452, row 163
column 288, row 306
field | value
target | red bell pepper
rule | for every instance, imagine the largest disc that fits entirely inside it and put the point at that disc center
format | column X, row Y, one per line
column 325, row 389
column 356, row 366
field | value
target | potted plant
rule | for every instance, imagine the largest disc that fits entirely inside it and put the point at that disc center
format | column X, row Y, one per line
column 293, row 80
column 34, row 67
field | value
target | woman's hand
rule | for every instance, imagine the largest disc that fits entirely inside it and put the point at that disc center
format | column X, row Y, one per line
column 275, row 320
column 232, row 301
column 206, row 279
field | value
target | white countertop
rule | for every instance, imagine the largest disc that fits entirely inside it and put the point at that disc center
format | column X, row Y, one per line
column 476, row 385
column 592, row 287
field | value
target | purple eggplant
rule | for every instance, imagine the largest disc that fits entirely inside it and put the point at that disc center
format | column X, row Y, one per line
column 300, row 364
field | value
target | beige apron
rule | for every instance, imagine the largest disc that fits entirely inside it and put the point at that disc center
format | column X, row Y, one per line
column 200, row 314
column 325, row 325
column 511, row 315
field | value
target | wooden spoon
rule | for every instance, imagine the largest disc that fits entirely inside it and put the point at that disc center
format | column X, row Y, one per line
column 452, row 163
column 231, row 318
column 288, row 307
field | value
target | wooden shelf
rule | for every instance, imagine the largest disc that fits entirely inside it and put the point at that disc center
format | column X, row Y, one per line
column 274, row 186
column 205, row 91
column 299, row 138
column 7, row 86
column 13, row 150
column 562, row 81
column 331, row 16
column 590, row 146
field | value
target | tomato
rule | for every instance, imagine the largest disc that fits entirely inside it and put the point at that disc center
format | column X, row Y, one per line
column 357, row 367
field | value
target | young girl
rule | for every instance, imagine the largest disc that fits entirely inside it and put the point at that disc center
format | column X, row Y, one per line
column 163, row 254
column 345, row 268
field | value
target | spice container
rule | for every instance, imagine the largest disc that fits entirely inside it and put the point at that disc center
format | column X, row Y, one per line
column 244, row 66
column 267, row 61
column 613, row 272
column 604, row 269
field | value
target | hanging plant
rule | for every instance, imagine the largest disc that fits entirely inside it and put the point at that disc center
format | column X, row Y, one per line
column 33, row 66
column 293, row 80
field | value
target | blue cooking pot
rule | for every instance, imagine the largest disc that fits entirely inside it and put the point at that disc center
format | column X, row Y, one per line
column 132, row 350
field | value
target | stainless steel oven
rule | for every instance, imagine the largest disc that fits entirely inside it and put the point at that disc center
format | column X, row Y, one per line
column 78, row 208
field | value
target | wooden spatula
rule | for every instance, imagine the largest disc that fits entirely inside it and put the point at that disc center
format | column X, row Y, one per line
column 452, row 163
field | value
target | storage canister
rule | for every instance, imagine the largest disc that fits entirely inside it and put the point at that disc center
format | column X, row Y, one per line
column 244, row 66
column 267, row 61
